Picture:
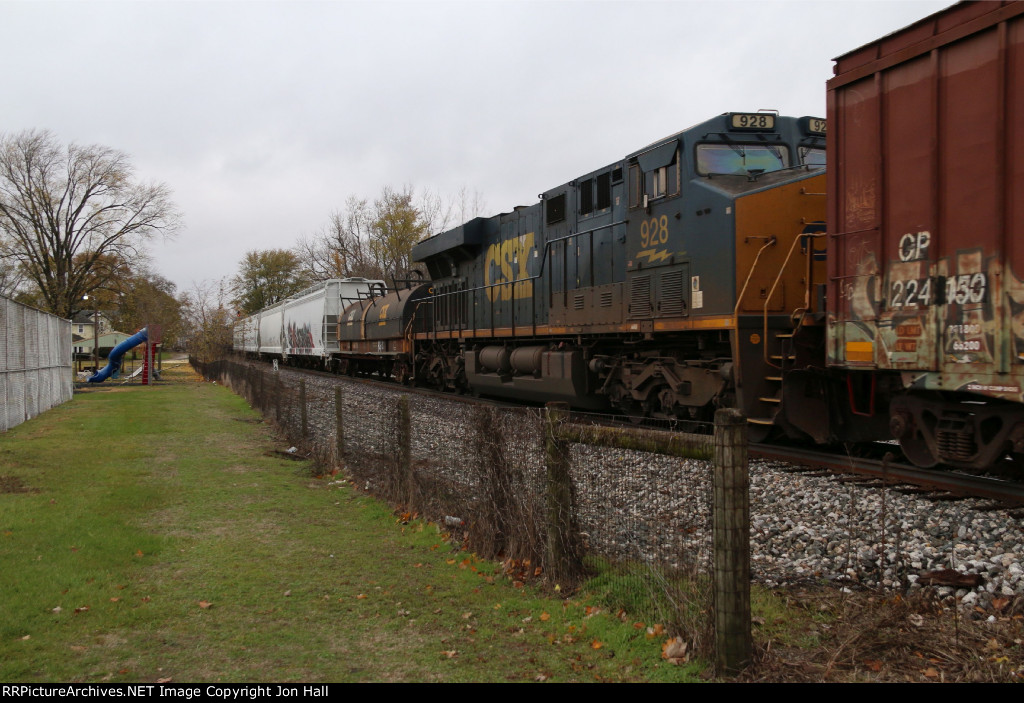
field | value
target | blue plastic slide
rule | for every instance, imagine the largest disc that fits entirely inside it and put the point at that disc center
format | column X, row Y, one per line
column 113, row 366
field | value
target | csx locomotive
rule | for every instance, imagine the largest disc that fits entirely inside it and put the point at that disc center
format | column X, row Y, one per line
column 665, row 284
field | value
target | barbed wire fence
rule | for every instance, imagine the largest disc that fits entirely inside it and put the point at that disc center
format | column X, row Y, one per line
column 625, row 513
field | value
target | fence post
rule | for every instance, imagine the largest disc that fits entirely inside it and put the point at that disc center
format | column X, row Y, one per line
column 263, row 391
column 277, row 398
column 339, row 437
column 731, row 519
column 564, row 550
column 405, row 451
column 302, row 407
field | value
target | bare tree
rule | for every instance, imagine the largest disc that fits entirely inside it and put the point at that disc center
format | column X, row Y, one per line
column 64, row 208
column 375, row 239
column 341, row 248
column 11, row 278
column 208, row 320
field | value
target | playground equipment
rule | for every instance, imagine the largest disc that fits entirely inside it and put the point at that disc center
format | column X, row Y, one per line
column 113, row 367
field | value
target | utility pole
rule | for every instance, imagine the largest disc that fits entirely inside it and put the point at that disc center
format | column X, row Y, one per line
column 95, row 332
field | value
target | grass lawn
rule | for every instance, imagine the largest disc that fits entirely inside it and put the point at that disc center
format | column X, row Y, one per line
column 148, row 533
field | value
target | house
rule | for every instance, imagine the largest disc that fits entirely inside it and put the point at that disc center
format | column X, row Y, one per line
column 82, row 334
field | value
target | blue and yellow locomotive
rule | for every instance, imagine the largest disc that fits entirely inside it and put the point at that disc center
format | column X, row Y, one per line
column 665, row 284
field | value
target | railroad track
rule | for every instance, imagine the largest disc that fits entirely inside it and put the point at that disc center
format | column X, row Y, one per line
column 890, row 471
column 936, row 485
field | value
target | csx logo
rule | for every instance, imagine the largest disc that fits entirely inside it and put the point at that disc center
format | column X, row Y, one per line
column 506, row 261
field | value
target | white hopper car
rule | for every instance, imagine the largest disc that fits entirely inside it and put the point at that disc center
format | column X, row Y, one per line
column 302, row 330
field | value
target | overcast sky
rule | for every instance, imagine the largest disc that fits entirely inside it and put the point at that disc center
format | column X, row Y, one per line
column 263, row 117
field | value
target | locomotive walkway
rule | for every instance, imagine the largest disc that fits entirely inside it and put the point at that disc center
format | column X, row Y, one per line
column 155, row 533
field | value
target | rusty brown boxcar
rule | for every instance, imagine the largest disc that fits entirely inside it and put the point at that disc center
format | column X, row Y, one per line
column 926, row 234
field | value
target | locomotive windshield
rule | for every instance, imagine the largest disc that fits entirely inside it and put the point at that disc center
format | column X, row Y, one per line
column 812, row 156
column 742, row 159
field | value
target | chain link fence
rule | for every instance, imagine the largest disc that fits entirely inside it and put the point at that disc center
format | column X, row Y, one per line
column 35, row 362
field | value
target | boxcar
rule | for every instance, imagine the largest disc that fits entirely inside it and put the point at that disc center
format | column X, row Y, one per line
column 926, row 223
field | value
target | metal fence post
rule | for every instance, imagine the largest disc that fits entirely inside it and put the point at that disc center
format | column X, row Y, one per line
column 731, row 519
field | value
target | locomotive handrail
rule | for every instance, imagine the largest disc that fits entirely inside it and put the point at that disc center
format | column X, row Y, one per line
column 772, row 241
column 543, row 265
column 836, row 235
column 782, row 269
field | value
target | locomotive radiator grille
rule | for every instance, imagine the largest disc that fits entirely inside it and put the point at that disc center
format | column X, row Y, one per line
column 672, row 293
column 640, row 297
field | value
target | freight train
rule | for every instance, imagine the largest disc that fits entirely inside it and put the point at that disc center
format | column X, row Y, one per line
column 698, row 272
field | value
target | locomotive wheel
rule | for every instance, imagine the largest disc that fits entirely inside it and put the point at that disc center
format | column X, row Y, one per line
column 436, row 379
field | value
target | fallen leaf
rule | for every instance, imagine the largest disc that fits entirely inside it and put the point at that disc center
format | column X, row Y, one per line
column 449, row 653
column 596, row 645
column 83, row 609
column 361, row 596
column 545, row 617
column 205, row 604
column 931, row 672
column 114, row 599
column 467, row 616
column 873, row 664
column 656, row 631
column 166, row 680
column 286, row 593
column 674, row 650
